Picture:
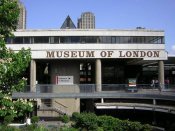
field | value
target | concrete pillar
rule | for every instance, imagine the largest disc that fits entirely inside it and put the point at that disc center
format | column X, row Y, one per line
column 154, row 101
column 161, row 73
column 98, row 80
column 102, row 100
column 33, row 76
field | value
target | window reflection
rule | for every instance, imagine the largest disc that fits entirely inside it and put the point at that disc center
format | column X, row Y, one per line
column 87, row 39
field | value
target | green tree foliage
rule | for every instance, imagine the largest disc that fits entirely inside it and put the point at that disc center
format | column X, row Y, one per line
column 12, row 64
column 9, row 13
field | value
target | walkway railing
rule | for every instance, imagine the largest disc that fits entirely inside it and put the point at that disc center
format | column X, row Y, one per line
column 89, row 91
column 91, row 88
column 54, row 106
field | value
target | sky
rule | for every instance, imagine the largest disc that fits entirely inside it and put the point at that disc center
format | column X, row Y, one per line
column 109, row 14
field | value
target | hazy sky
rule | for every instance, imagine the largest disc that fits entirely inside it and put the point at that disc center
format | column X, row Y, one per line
column 110, row 14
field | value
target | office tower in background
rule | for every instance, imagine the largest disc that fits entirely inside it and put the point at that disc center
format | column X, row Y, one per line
column 22, row 16
column 87, row 21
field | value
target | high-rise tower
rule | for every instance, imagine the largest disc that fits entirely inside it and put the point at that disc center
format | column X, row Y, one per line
column 87, row 21
column 22, row 16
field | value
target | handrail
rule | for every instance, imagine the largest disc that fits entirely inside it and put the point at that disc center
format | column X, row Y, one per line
column 48, row 88
column 60, row 107
column 161, row 108
column 60, row 104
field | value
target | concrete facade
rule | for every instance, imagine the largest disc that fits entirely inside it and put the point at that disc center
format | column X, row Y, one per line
column 63, row 59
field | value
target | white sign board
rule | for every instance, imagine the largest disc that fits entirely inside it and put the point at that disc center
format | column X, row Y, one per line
column 64, row 80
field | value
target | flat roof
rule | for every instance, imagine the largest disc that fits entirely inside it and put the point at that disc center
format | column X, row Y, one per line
column 88, row 32
column 145, row 30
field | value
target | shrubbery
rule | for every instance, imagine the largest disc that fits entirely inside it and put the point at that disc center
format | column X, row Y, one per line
column 86, row 122
column 8, row 119
column 109, row 123
column 64, row 118
column 65, row 128
column 34, row 119
column 91, row 122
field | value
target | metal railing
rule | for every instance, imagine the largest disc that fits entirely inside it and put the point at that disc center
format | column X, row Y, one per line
column 91, row 88
column 88, row 91
column 54, row 106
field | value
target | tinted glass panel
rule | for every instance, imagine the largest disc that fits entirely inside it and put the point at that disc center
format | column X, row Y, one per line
column 41, row 39
column 113, row 39
column 8, row 40
column 88, row 39
column 65, row 39
column 18, row 40
column 26, row 40
column 75, row 39
column 105, row 39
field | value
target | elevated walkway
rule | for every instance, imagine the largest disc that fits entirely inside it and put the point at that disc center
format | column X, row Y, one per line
column 103, row 94
column 88, row 91
column 136, row 106
column 110, row 91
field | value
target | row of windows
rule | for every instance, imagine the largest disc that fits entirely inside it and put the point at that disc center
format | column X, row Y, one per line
column 87, row 39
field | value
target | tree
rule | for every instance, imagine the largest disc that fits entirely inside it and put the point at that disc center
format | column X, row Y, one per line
column 12, row 64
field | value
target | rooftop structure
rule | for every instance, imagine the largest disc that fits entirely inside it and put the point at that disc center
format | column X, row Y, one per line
column 68, row 24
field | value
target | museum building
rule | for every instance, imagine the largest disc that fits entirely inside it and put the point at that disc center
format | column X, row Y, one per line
column 94, row 57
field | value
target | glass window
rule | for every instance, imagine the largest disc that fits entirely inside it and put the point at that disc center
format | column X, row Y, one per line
column 41, row 39
column 18, row 40
column 75, row 39
column 125, row 39
column 65, row 39
column 154, row 39
column 8, row 40
column 138, row 39
column 117, row 39
column 88, row 39
column 105, row 39
column 113, row 39
column 54, row 40
column 26, row 40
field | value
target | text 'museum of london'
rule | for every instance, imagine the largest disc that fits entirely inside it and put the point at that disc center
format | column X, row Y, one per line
column 102, row 54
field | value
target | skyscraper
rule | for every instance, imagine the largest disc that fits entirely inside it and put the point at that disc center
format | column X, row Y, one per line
column 87, row 21
column 22, row 16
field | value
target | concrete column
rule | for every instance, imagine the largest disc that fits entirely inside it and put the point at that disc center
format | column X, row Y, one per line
column 154, row 101
column 102, row 100
column 32, row 76
column 161, row 73
column 98, row 80
column 59, row 40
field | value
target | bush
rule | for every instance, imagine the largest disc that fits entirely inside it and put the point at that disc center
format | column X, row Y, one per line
column 33, row 127
column 34, row 119
column 87, row 121
column 65, row 128
column 64, row 118
column 8, row 128
column 109, row 123
column 75, row 116
column 8, row 120
column 135, row 126
column 91, row 122
column 146, row 127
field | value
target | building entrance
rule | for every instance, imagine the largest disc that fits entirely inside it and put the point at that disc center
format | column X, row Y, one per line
column 87, row 74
